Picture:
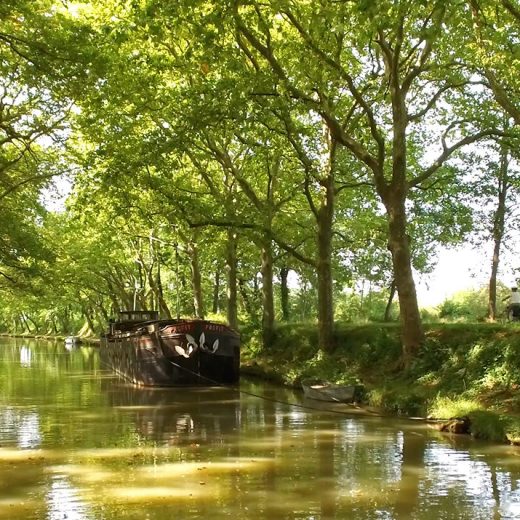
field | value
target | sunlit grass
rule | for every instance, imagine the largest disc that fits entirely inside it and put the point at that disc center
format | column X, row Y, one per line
column 484, row 424
column 446, row 408
column 513, row 430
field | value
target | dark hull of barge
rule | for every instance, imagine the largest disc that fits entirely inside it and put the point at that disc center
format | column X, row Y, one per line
column 172, row 352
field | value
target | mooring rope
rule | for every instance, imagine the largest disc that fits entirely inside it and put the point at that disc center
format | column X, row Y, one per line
column 266, row 398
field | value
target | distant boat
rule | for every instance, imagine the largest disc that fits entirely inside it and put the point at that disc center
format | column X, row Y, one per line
column 321, row 390
column 174, row 352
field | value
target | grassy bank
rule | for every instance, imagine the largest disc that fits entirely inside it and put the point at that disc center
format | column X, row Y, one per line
column 463, row 370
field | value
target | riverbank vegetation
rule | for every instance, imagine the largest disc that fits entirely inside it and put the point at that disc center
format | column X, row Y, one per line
column 261, row 163
column 462, row 371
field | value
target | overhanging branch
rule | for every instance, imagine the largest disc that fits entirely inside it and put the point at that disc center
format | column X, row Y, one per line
column 261, row 229
column 448, row 152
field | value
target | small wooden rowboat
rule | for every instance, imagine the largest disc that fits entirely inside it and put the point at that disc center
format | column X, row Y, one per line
column 324, row 391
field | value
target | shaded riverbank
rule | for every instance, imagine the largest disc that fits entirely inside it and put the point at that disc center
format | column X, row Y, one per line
column 468, row 371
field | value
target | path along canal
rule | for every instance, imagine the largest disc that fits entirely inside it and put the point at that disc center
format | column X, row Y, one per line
column 77, row 443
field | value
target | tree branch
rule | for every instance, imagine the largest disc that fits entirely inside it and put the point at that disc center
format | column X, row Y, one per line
column 498, row 90
column 433, row 100
column 255, row 227
column 345, row 76
column 448, row 152
column 512, row 9
column 26, row 181
column 265, row 51
column 12, row 280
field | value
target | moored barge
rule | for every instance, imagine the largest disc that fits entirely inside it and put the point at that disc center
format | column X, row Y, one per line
column 150, row 351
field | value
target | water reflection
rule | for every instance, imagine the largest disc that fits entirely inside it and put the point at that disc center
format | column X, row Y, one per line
column 176, row 416
column 25, row 356
column 63, row 501
column 450, row 471
column 29, row 431
column 76, row 442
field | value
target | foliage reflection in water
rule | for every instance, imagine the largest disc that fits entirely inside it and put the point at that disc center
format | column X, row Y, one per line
column 77, row 443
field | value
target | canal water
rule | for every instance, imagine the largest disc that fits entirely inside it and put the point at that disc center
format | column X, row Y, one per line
column 77, row 443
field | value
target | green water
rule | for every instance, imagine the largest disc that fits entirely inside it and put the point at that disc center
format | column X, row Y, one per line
column 76, row 443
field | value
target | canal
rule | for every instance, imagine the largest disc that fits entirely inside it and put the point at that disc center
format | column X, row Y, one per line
column 77, row 443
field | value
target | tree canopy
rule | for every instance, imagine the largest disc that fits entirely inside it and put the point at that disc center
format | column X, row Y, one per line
column 216, row 147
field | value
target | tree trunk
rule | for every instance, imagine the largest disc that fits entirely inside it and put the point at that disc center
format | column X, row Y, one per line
column 121, row 298
column 164, row 309
column 498, row 232
column 324, row 267
column 103, row 311
column 388, row 307
column 25, row 325
column 284, row 293
column 216, row 291
column 88, row 317
column 156, row 288
column 248, row 304
column 399, row 244
column 54, row 326
column 139, row 285
column 36, row 326
column 267, row 292
column 196, row 280
column 394, row 196
column 65, row 321
column 231, row 265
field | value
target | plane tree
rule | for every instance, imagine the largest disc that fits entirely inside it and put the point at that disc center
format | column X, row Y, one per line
column 275, row 121
column 325, row 89
column 494, row 186
column 197, row 137
column 493, row 48
column 226, row 127
column 43, row 55
column 375, row 76
column 499, row 192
